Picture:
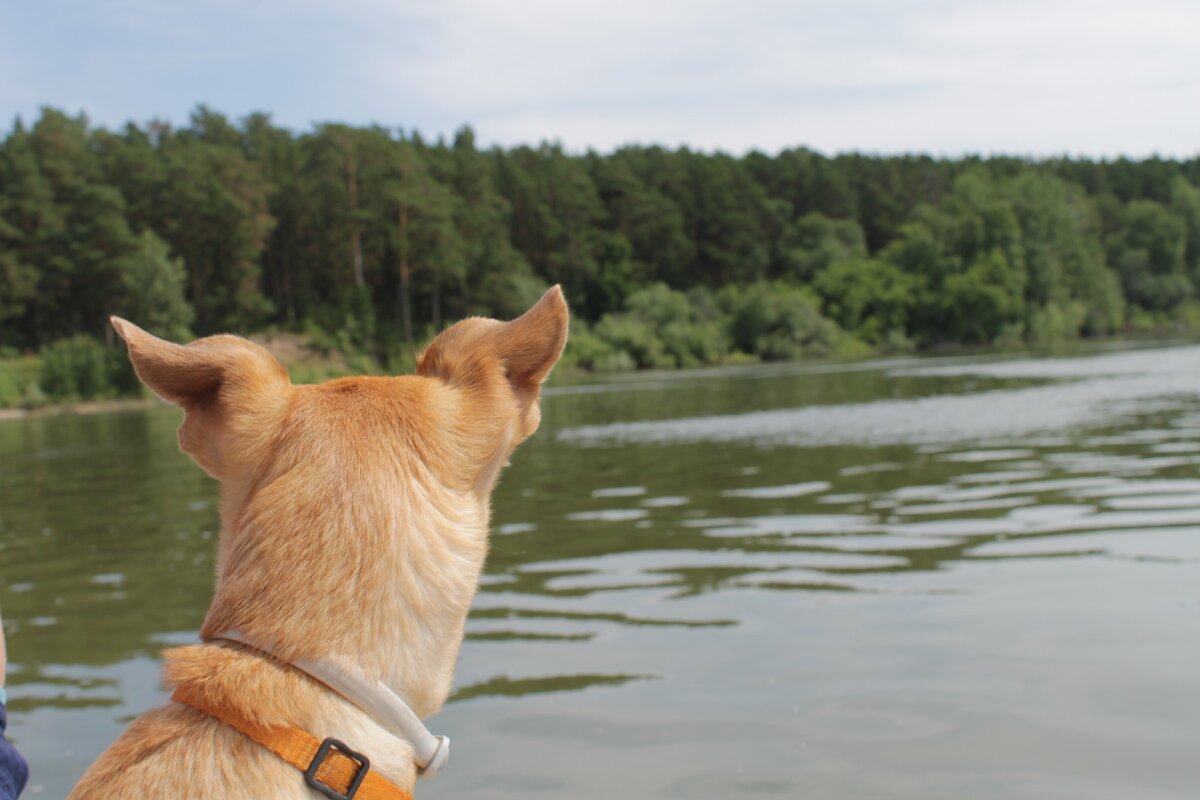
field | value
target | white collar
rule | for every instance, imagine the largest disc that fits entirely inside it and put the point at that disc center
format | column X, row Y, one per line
column 374, row 698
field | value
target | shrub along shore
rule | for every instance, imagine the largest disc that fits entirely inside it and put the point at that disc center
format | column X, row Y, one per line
column 661, row 329
column 353, row 245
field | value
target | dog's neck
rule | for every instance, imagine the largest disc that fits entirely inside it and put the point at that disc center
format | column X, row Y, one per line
column 386, row 707
column 372, row 574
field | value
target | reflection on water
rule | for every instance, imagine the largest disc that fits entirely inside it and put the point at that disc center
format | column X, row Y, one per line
column 906, row 579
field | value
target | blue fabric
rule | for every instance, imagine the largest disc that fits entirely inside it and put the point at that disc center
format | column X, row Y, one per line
column 13, row 769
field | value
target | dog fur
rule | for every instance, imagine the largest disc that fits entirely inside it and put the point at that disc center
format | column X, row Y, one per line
column 354, row 518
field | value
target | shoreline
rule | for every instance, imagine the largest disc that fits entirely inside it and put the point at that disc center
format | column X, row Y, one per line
column 82, row 408
column 572, row 375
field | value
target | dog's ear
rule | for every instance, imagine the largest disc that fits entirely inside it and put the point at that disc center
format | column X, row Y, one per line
column 526, row 349
column 482, row 355
column 195, row 374
column 532, row 343
column 226, row 385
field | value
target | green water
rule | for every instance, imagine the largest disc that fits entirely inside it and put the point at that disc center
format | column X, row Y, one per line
column 935, row 578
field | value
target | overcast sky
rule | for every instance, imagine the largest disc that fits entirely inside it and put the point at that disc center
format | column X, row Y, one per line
column 943, row 76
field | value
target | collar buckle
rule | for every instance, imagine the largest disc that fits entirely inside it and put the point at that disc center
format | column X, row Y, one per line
column 329, row 747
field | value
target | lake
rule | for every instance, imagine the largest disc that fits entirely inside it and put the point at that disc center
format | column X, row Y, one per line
column 912, row 578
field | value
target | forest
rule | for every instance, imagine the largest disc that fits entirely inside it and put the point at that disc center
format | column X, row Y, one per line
column 367, row 240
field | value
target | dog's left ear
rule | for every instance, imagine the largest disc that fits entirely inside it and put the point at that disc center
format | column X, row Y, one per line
column 532, row 343
column 526, row 348
column 471, row 353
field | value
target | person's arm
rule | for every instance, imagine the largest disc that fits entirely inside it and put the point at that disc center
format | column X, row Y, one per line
column 14, row 772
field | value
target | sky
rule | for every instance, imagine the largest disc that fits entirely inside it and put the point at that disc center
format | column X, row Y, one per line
column 948, row 77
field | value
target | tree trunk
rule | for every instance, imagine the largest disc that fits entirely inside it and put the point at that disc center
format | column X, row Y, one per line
column 197, row 293
column 109, row 340
column 289, row 301
column 436, row 302
column 287, row 276
column 355, row 234
column 405, row 277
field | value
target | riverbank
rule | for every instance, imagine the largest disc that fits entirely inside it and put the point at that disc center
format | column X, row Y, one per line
column 659, row 328
column 81, row 376
column 297, row 356
column 82, row 408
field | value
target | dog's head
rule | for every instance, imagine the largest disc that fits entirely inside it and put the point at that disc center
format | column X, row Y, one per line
column 394, row 470
column 474, row 398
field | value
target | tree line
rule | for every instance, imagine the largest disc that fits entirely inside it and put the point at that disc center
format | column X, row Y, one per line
column 377, row 237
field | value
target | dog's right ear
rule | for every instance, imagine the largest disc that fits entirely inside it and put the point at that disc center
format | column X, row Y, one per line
column 227, row 386
column 199, row 373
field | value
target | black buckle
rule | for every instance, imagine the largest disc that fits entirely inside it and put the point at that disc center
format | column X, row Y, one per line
column 310, row 774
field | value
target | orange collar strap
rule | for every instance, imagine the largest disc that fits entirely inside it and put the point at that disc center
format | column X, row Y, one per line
column 329, row 766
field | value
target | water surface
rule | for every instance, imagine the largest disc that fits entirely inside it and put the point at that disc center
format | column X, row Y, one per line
column 920, row 578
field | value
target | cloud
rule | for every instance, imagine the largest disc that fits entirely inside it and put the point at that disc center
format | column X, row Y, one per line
column 1045, row 77
column 947, row 76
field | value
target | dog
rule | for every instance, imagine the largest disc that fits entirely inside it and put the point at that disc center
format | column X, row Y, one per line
column 354, row 520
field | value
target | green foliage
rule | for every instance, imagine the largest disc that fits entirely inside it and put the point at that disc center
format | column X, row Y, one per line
column 153, row 286
column 1064, row 257
column 870, row 298
column 347, row 325
column 1183, row 320
column 661, row 328
column 980, row 303
column 589, row 351
column 689, row 328
column 1148, row 252
column 1057, row 323
column 506, row 295
column 216, row 217
column 1185, row 205
column 816, row 242
column 778, row 321
column 372, row 237
column 1187, row 318
column 636, row 338
column 614, row 278
column 19, row 382
column 78, row 368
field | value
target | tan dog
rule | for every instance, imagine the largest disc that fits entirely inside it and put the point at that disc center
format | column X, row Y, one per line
column 354, row 518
